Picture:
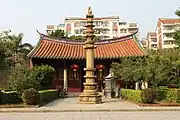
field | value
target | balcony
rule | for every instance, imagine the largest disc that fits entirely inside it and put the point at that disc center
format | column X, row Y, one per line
column 168, row 38
column 169, row 46
column 132, row 25
column 168, row 30
column 153, row 43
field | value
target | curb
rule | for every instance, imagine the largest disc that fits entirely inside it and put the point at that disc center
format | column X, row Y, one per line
column 90, row 110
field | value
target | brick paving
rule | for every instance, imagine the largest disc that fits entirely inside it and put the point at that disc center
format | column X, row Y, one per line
column 172, row 115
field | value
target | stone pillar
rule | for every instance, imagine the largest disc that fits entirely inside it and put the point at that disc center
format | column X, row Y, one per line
column 110, row 86
column 90, row 94
column 65, row 79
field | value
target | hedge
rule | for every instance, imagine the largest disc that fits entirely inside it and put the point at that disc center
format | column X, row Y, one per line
column 173, row 95
column 48, row 95
column 167, row 95
column 132, row 95
column 9, row 98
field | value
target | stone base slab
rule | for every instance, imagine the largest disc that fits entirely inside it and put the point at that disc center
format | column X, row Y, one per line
column 86, row 98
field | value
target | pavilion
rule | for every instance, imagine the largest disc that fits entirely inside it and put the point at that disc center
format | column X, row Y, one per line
column 68, row 57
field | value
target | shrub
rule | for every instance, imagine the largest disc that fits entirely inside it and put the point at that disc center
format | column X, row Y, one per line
column 148, row 95
column 20, row 78
column 132, row 95
column 42, row 74
column 173, row 95
column 1, row 95
column 48, row 95
column 161, row 94
column 11, row 97
column 31, row 97
column 17, row 78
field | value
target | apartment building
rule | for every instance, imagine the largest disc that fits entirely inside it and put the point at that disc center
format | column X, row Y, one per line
column 164, row 30
column 105, row 27
column 151, row 41
column 50, row 28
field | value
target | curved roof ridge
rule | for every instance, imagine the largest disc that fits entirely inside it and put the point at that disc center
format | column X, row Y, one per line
column 69, row 41
column 82, row 42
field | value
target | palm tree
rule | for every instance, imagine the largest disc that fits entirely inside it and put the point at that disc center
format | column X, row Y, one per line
column 19, row 50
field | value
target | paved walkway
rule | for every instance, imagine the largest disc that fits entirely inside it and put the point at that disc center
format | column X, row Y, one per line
column 71, row 105
column 92, row 116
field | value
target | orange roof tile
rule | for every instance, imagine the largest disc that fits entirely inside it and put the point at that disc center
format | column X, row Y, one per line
column 69, row 49
column 170, row 21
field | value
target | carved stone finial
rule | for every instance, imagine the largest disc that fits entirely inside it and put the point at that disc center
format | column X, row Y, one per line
column 89, row 10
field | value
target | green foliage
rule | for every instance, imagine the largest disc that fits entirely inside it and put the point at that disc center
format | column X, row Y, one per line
column 17, row 78
column 173, row 95
column 12, row 50
column 58, row 33
column 48, row 95
column 161, row 94
column 11, row 97
column 31, row 97
column 1, row 96
column 177, row 33
column 151, row 95
column 148, row 95
column 42, row 75
column 21, row 78
column 177, row 13
column 127, row 69
column 158, row 68
column 132, row 95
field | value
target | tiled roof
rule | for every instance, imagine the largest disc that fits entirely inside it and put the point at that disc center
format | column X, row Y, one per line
column 69, row 49
column 169, row 20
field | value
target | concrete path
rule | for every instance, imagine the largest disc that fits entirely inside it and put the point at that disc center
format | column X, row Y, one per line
column 71, row 105
column 92, row 116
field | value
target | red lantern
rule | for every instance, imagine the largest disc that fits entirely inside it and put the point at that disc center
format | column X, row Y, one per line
column 99, row 67
column 74, row 67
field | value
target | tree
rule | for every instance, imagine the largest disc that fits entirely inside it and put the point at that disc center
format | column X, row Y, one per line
column 19, row 50
column 21, row 78
column 127, row 70
column 58, row 33
column 177, row 12
column 177, row 33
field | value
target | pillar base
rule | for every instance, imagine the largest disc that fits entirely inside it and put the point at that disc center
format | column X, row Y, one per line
column 90, row 95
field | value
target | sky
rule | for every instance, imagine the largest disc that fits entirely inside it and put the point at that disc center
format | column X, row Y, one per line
column 25, row 16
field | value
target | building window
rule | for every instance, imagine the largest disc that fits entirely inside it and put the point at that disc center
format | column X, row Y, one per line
column 123, row 30
column 154, row 45
column 76, row 24
column 168, row 28
column 98, row 23
column 106, row 24
column 68, row 25
column 154, row 40
column 77, row 31
column 114, row 24
column 169, row 42
column 132, row 25
column 114, row 31
column 106, row 31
